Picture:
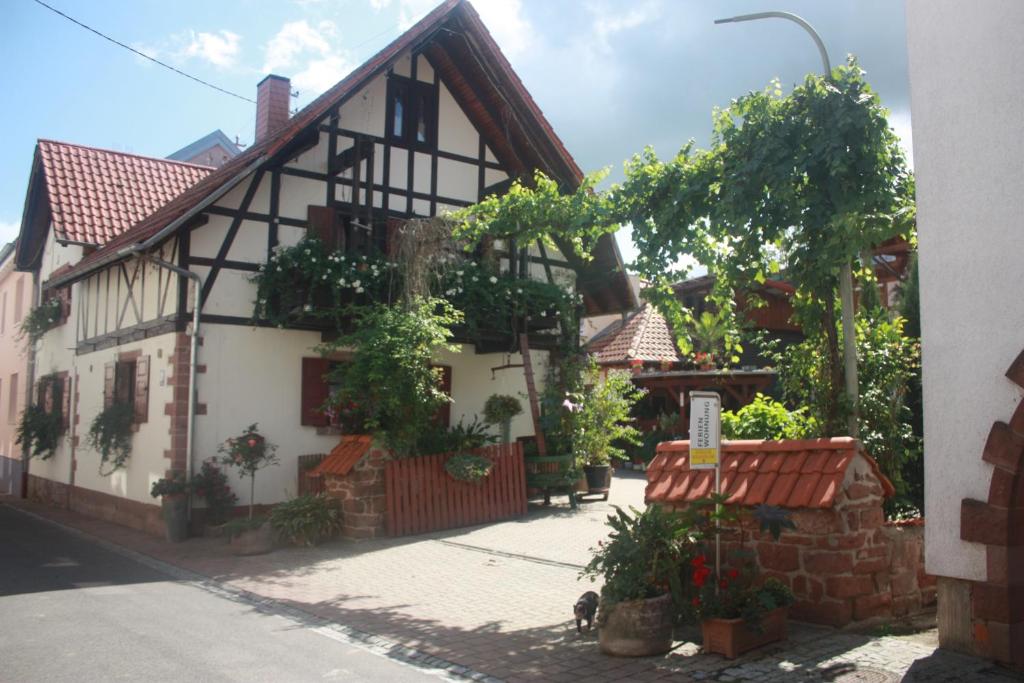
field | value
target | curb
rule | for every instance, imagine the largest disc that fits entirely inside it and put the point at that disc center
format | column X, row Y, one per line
column 370, row 642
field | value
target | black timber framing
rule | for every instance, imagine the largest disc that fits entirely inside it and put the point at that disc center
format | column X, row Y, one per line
column 262, row 217
column 313, row 175
column 411, row 165
column 437, row 140
column 146, row 330
column 274, row 219
column 451, row 156
column 229, row 238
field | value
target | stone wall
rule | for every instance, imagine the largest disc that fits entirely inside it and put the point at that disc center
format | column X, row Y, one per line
column 363, row 496
column 843, row 563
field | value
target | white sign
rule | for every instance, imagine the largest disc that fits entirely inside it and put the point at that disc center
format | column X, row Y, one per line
column 705, row 428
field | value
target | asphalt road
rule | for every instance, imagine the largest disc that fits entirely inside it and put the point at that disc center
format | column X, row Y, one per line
column 71, row 610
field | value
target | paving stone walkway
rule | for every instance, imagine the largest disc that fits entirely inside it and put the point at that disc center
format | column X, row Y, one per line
column 498, row 600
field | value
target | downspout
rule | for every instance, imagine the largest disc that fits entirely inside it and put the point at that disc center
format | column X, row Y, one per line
column 197, row 287
column 30, row 378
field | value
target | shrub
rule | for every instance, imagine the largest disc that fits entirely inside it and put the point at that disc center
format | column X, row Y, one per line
column 306, row 520
column 211, row 484
column 110, row 434
column 459, row 437
column 249, row 452
column 468, row 467
column 38, row 432
column 766, row 418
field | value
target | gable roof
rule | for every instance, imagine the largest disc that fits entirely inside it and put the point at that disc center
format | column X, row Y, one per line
column 482, row 82
column 791, row 474
column 90, row 195
column 644, row 335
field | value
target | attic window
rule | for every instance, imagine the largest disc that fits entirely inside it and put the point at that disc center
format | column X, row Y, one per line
column 412, row 112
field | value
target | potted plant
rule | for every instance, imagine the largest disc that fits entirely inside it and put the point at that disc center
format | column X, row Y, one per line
column 600, row 423
column 211, row 484
column 737, row 609
column 173, row 493
column 249, row 452
column 708, row 333
column 110, row 434
column 468, row 467
column 499, row 410
column 641, row 563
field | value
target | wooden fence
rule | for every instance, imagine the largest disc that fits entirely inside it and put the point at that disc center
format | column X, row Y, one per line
column 423, row 497
column 310, row 485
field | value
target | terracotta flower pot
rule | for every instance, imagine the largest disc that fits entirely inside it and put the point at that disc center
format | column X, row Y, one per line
column 637, row 628
column 258, row 541
column 733, row 637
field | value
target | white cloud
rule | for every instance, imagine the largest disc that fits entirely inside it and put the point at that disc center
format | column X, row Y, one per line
column 378, row 5
column 308, row 54
column 9, row 231
column 219, row 49
column 611, row 20
column 503, row 18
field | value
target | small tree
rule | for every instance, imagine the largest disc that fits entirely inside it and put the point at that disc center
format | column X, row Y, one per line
column 249, row 452
column 801, row 183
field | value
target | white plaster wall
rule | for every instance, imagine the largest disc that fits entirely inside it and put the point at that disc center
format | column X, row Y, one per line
column 147, row 462
column 967, row 95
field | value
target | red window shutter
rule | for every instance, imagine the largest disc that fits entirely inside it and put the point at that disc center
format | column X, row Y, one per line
column 444, row 413
column 322, row 223
column 65, row 410
column 47, row 395
column 314, row 391
column 141, row 389
column 109, row 375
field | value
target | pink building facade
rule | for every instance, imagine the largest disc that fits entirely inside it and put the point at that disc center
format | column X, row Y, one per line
column 15, row 303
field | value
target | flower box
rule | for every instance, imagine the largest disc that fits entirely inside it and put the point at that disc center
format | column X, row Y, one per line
column 733, row 637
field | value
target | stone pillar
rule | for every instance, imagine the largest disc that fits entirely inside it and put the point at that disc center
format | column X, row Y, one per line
column 363, row 496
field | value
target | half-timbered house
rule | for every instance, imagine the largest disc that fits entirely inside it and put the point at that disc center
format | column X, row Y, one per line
column 161, row 313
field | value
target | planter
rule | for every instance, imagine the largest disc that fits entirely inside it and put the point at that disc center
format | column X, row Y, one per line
column 637, row 628
column 258, row 541
column 175, row 513
column 599, row 479
column 733, row 637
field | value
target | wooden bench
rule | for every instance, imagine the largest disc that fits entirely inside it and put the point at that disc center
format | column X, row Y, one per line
column 551, row 472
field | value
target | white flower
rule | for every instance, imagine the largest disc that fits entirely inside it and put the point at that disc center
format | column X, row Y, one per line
column 459, row 273
column 518, row 290
column 307, row 308
column 357, row 283
column 493, row 280
column 364, row 257
column 359, row 290
column 263, row 301
column 279, row 269
column 313, row 259
column 324, row 276
column 341, row 281
column 475, row 278
column 342, row 258
column 307, row 252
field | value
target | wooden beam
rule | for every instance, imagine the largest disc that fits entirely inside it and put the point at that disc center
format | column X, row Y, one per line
column 229, row 238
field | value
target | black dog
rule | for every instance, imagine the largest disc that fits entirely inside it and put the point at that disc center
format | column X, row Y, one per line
column 585, row 608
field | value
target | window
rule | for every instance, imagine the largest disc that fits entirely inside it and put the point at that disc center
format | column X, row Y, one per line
column 19, row 295
column 338, row 231
column 12, row 405
column 126, row 381
column 315, row 391
column 53, row 394
column 412, row 107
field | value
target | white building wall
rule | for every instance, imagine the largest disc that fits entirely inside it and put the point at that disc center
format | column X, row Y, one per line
column 966, row 102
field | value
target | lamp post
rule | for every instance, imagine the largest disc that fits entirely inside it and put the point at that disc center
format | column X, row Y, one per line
column 845, row 271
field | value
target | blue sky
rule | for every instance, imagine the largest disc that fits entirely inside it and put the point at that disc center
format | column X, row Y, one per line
column 611, row 76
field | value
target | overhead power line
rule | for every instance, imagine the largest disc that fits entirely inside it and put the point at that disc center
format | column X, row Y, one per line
column 140, row 54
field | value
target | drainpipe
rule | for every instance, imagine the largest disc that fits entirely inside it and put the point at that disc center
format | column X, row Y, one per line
column 30, row 378
column 197, row 287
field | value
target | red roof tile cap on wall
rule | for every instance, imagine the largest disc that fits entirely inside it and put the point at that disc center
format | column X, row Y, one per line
column 344, row 456
column 794, row 474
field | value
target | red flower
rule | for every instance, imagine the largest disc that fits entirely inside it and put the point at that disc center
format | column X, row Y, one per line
column 723, row 584
column 700, row 575
column 698, row 561
column 695, row 602
column 732, row 573
column 252, row 443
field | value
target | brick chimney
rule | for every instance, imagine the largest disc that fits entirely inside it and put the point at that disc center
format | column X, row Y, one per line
column 273, row 99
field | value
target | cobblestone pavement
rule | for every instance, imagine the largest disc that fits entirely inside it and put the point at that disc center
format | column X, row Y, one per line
column 498, row 600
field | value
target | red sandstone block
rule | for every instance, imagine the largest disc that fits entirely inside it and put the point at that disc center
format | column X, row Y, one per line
column 983, row 523
column 842, row 541
column 828, row 562
column 796, row 539
column 1005, row 564
column 875, row 564
column 904, row 583
column 816, row 521
column 783, row 558
column 872, row 518
column 799, row 585
column 848, row 586
column 998, row 603
column 858, row 490
column 1004, row 448
column 852, row 521
column 1007, row 489
column 873, row 551
column 868, row 606
column 830, row 613
column 815, row 589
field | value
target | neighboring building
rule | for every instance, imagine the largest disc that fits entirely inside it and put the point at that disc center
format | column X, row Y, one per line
column 213, row 150
column 966, row 98
column 436, row 120
column 15, row 302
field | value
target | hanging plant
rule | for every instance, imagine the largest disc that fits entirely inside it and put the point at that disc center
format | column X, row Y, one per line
column 110, row 434
column 40, row 319
column 38, row 432
column 468, row 467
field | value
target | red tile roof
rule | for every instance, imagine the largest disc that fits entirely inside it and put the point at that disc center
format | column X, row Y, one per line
column 345, row 455
column 644, row 335
column 97, row 194
column 791, row 474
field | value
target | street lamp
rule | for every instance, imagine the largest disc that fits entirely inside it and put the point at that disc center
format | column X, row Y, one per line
column 845, row 272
